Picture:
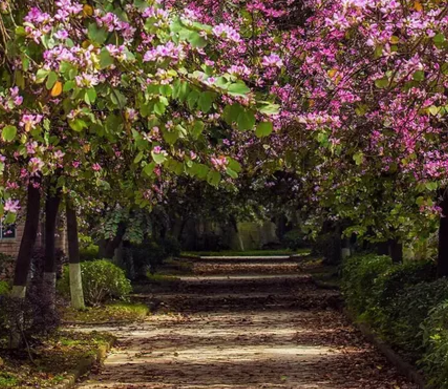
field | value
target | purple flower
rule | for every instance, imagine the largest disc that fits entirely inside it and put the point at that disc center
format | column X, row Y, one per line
column 272, row 60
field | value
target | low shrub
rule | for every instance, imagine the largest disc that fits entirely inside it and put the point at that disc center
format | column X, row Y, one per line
column 145, row 257
column 294, row 240
column 329, row 247
column 406, row 305
column 101, row 280
column 171, row 246
column 34, row 316
column 409, row 310
column 89, row 253
column 359, row 275
column 4, row 288
column 396, row 278
column 435, row 340
column 389, row 285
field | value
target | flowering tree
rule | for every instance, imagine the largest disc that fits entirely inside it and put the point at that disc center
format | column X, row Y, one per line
column 94, row 90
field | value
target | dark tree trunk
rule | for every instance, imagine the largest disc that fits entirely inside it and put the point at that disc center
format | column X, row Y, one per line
column 442, row 262
column 396, row 250
column 29, row 234
column 51, row 213
column 52, row 203
column 383, row 248
column 112, row 245
column 24, row 260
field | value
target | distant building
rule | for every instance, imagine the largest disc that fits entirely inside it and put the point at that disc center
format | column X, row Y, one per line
column 11, row 236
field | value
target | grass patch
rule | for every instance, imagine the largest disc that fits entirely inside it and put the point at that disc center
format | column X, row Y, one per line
column 120, row 311
column 324, row 274
column 54, row 359
column 162, row 279
column 249, row 253
column 176, row 267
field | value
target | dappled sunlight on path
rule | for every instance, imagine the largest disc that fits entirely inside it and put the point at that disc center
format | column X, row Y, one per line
column 244, row 344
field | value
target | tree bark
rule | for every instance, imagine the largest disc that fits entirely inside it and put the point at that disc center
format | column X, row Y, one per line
column 382, row 248
column 52, row 203
column 24, row 259
column 76, row 291
column 112, row 245
column 442, row 262
column 345, row 248
column 396, row 250
column 29, row 236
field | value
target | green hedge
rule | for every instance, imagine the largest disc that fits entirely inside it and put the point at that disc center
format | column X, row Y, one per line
column 101, row 281
column 406, row 305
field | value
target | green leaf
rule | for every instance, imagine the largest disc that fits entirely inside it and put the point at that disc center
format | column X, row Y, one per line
column 205, row 101
column 41, row 75
column 232, row 112
column 269, row 109
column 193, row 98
column 158, row 158
column 197, row 40
column 419, row 75
column 213, row 177
column 139, row 157
column 239, row 89
column 97, row 34
column 77, row 125
column 69, row 85
column 231, row 173
column 246, row 120
column 159, row 108
column 51, row 80
column 200, row 170
column 105, row 59
column 264, row 129
column 382, row 83
column 9, row 133
column 439, row 38
column 90, row 96
column 434, row 110
column 358, row 158
column 234, row 165
column 197, row 130
column 10, row 218
column 170, row 136
column 432, row 185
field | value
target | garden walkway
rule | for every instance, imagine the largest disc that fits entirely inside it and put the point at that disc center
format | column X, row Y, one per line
column 244, row 324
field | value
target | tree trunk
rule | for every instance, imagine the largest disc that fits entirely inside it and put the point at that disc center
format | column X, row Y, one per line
column 112, row 245
column 76, row 291
column 51, row 213
column 345, row 249
column 382, row 248
column 396, row 250
column 24, row 258
column 442, row 262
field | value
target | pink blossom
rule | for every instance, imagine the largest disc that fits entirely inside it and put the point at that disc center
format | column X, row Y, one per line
column 12, row 206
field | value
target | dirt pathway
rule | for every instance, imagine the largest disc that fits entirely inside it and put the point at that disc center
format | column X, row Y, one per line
column 250, row 331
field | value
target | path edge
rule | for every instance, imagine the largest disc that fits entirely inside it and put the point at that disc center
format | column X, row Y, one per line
column 85, row 365
column 405, row 368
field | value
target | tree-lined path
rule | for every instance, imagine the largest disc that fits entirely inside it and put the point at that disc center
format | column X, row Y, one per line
column 233, row 325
